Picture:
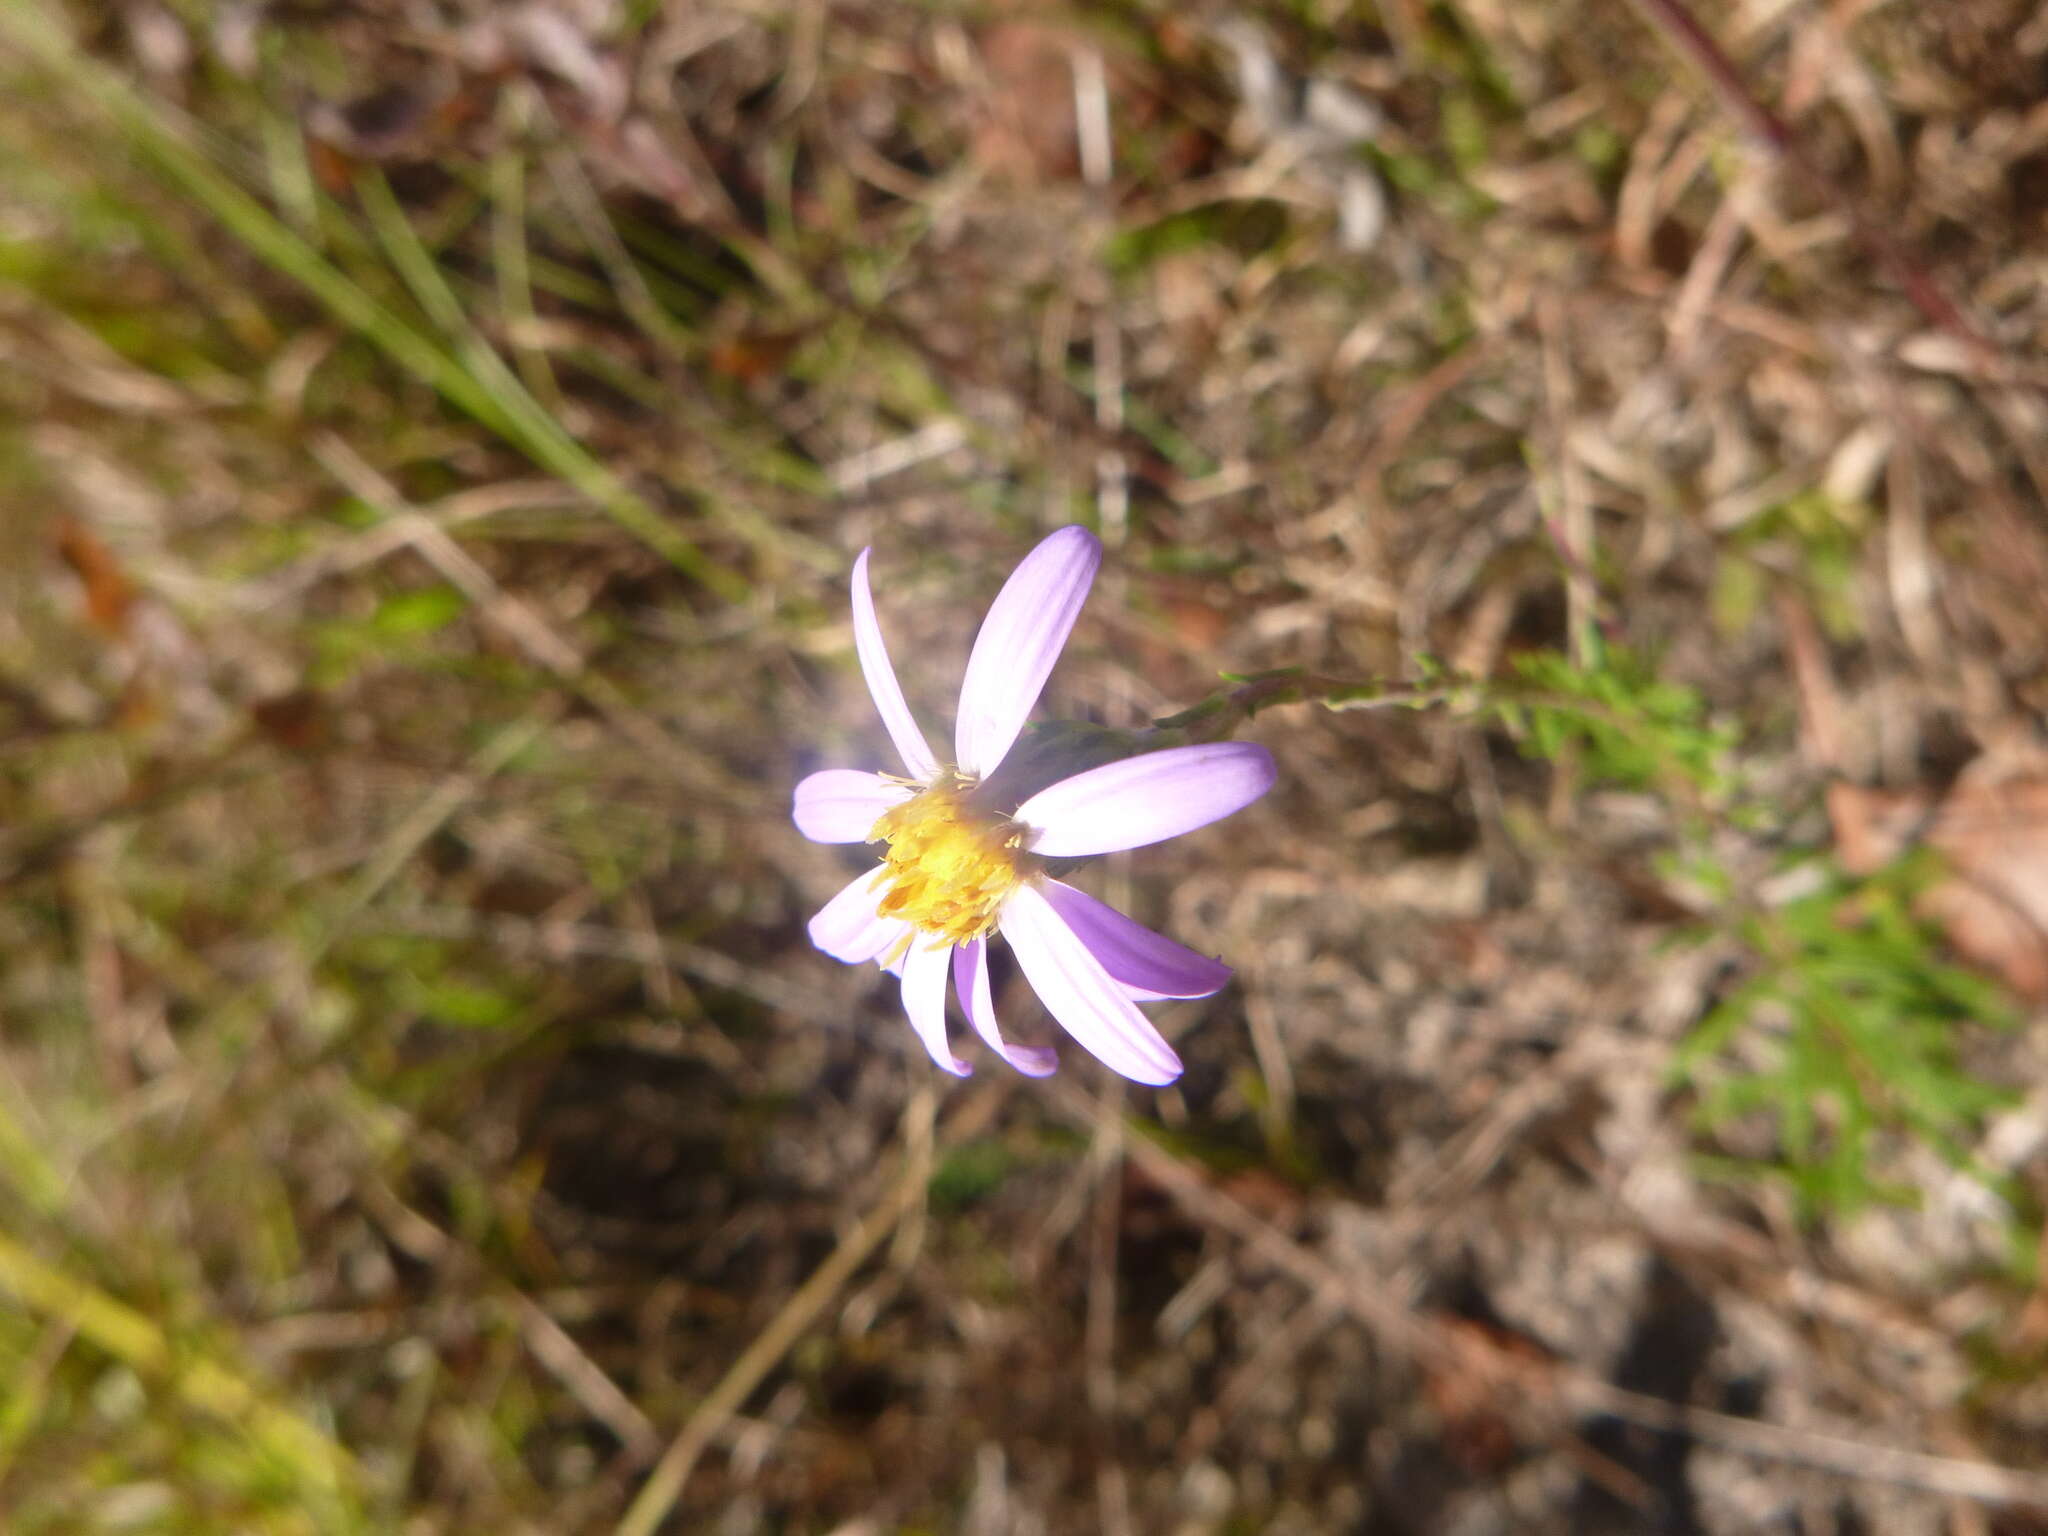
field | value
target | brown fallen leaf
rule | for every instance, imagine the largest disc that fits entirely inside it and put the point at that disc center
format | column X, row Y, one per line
column 109, row 594
column 1473, row 1388
column 752, row 356
column 296, row 721
column 1992, row 833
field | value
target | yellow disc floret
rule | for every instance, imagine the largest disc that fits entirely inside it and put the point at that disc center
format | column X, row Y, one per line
column 950, row 864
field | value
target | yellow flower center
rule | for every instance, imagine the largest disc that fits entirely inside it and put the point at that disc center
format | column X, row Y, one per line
column 949, row 864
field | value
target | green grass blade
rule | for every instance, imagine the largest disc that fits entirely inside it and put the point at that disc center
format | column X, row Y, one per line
column 493, row 397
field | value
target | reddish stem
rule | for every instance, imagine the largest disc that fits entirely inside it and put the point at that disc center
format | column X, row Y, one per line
column 1683, row 31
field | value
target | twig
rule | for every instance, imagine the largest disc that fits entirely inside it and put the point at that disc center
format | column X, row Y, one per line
column 547, row 1340
column 664, row 1485
column 1951, row 1476
column 1216, row 717
column 432, row 813
column 520, row 624
column 353, row 551
column 1568, row 513
column 516, row 620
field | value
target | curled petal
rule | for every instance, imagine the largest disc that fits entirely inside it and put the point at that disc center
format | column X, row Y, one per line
column 1018, row 644
column 1147, row 965
column 970, row 980
column 1081, row 994
column 882, row 684
column 1146, row 799
column 849, row 928
column 924, row 1000
column 840, row 805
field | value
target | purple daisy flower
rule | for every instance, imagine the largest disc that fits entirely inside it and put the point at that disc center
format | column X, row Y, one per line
column 959, row 869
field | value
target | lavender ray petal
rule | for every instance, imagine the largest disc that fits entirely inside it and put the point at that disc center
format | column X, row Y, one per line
column 882, row 685
column 970, row 980
column 849, row 928
column 1081, row 994
column 924, row 1000
column 1146, row 799
column 1018, row 644
column 1147, row 965
column 840, row 805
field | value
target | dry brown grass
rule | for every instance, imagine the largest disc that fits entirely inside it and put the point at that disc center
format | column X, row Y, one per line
column 419, row 1106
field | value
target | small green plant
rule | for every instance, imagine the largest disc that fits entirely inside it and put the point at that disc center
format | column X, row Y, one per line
column 1810, row 541
column 1844, row 1032
column 1620, row 721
